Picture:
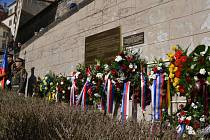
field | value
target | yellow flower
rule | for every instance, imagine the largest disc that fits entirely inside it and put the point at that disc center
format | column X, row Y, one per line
column 174, row 84
column 171, row 75
column 171, row 70
column 170, row 55
column 175, row 69
column 174, row 47
column 171, row 66
column 176, row 79
column 177, row 88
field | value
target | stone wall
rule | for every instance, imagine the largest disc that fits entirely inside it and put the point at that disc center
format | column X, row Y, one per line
column 164, row 23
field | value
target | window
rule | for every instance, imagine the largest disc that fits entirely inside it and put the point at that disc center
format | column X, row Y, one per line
column 3, row 44
column 10, row 11
column 4, row 34
column 103, row 46
column 10, row 22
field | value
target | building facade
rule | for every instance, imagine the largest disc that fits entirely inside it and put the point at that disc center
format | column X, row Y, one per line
column 10, row 21
column 4, row 36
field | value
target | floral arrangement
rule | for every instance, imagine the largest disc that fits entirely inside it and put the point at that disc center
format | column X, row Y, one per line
column 46, row 83
column 63, row 86
column 178, row 70
column 191, row 118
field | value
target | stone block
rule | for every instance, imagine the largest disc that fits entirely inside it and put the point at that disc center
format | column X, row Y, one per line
column 201, row 22
column 181, row 27
column 202, row 39
column 126, row 8
column 142, row 5
column 180, row 8
column 110, row 14
column 200, row 5
column 159, row 14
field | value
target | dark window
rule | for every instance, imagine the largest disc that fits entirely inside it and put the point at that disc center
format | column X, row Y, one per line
column 3, row 44
column 4, row 34
column 103, row 46
column 10, row 22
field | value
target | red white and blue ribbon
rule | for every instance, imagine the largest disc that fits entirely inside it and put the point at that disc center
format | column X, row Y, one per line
column 125, row 102
column 84, row 97
column 110, row 96
column 157, row 96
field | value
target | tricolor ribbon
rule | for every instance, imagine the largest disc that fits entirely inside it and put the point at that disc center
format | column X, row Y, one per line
column 103, row 101
column 156, row 92
column 125, row 102
column 110, row 96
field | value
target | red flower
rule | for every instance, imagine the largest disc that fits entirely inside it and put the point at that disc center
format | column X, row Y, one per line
column 187, row 122
column 181, row 106
column 181, row 89
column 183, row 59
column 188, row 79
column 123, row 67
column 178, row 73
column 182, row 113
column 178, row 54
column 114, row 72
column 196, row 124
column 155, row 69
column 130, row 58
column 178, row 62
column 98, row 67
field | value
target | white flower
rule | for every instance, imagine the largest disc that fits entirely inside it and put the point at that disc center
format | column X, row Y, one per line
column 56, row 83
column 56, row 88
column 68, row 78
column 45, row 88
column 152, row 72
column 51, row 83
column 159, row 68
column 189, row 118
column 99, row 75
column 88, row 79
column 118, row 58
column 182, row 118
column 122, row 78
column 195, row 58
column 69, row 88
column 189, row 127
column 195, row 78
column 77, row 74
column 202, row 119
column 63, row 91
column 131, row 66
column 135, row 66
column 7, row 82
column 191, row 132
column 202, row 53
column 193, row 66
column 208, row 73
column 106, row 67
column 45, row 77
column 166, row 78
column 62, row 83
column 202, row 71
column 194, row 106
column 153, row 76
column 54, row 91
column 160, row 64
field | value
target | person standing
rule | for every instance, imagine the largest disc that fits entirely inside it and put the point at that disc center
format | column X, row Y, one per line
column 19, row 78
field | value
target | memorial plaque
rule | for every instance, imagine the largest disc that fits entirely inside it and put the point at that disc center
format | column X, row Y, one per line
column 103, row 46
column 133, row 40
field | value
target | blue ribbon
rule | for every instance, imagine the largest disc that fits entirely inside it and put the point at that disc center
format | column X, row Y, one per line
column 154, row 83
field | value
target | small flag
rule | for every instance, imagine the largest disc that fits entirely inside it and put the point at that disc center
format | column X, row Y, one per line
column 4, row 67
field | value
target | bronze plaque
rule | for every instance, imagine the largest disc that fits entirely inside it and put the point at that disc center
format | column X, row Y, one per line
column 103, row 46
column 133, row 40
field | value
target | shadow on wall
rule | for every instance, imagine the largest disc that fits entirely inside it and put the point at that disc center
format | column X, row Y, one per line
column 31, row 83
